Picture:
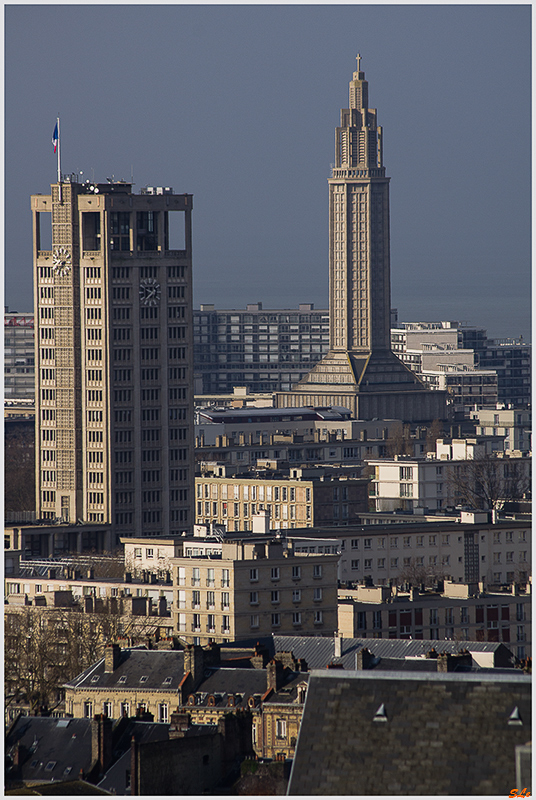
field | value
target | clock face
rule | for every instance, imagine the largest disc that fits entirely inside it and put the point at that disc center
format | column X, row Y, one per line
column 149, row 292
column 61, row 261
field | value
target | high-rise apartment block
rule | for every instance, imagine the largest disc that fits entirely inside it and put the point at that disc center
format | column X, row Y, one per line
column 19, row 368
column 114, row 357
column 266, row 350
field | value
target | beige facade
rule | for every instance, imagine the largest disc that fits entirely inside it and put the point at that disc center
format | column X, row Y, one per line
column 287, row 502
column 461, row 612
column 254, row 588
column 360, row 371
column 113, row 352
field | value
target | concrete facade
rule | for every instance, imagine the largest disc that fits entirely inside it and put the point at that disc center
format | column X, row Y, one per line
column 460, row 612
column 360, row 371
column 114, row 394
column 266, row 349
column 19, row 355
column 252, row 589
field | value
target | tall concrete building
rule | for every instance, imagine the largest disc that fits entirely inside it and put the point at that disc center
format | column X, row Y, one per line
column 360, row 371
column 113, row 321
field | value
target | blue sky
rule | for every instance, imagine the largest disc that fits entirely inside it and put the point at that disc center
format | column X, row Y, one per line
column 238, row 105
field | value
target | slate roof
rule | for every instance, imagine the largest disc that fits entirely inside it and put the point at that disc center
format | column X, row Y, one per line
column 319, row 651
column 225, row 681
column 369, row 733
column 57, row 749
column 155, row 665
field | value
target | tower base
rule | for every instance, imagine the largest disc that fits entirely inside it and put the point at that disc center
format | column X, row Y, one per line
column 371, row 385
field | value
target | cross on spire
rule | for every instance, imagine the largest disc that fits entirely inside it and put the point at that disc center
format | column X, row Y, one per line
column 358, row 59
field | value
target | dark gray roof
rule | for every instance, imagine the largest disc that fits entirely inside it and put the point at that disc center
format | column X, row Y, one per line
column 393, row 733
column 319, row 651
column 226, row 681
column 56, row 748
column 154, row 665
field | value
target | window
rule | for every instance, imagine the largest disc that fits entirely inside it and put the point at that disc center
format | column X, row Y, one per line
column 281, row 729
column 296, row 573
column 317, row 595
column 361, row 620
column 275, row 573
column 367, row 544
column 296, row 595
column 254, row 575
column 407, row 541
column 296, row 618
column 163, row 712
column 355, row 544
column 254, row 598
column 318, row 617
column 434, row 619
column 254, row 621
column 368, row 563
column 196, row 576
column 317, row 571
column 394, row 563
column 376, row 619
column 275, row 597
column 420, row 541
column 276, row 620
column 355, row 563
column 381, row 563
column 107, row 708
column 225, row 577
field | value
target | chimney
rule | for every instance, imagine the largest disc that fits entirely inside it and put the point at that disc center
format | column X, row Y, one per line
column 194, row 662
column 101, row 742
column 338, row 646
column 260, row 659
column 112, row 657
column 363, row 659
column 274, row 675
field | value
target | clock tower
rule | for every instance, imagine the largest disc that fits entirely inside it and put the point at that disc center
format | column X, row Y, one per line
column 114, row 397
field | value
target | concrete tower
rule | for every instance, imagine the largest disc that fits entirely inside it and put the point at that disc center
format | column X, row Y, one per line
column 113, row 329
column 360, row 371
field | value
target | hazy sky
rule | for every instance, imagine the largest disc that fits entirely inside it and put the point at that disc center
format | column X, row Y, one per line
column 238, row 105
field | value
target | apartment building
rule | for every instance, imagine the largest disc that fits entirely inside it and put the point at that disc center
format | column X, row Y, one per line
column 266, row 349
column 114, row 395
column 407, row 484
column 461, row 612
column 501, row 366
column 302, row 497
column 465, row 548
column 255, row 587
column 514, row 424
column 19, row 355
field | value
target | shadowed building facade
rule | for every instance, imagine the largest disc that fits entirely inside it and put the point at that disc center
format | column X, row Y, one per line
column 113, row 322
column 360, row 371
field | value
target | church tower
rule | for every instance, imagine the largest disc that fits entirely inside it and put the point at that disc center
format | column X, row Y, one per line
column 360, row 371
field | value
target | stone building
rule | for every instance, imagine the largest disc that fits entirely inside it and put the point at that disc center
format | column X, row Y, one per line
column 301, row 498
column 114, row 393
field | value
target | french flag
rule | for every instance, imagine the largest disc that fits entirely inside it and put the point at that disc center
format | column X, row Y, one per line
column 55, row 137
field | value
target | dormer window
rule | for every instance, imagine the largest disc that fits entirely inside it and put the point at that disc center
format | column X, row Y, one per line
column 144, row 678
column 122, row 679
column 167, row 681
column 95, row 678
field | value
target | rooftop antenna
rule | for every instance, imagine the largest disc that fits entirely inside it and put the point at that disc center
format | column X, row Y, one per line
column 131, row 174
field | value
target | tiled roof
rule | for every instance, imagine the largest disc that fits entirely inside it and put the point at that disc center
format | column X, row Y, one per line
column 371, row 733
column 156, row 666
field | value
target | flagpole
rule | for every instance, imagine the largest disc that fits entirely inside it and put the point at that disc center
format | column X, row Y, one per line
column 59, row 157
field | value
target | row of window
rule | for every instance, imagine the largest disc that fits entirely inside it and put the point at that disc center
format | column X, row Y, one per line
column 256, row 492
column 281, row 511
column 392, row 542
